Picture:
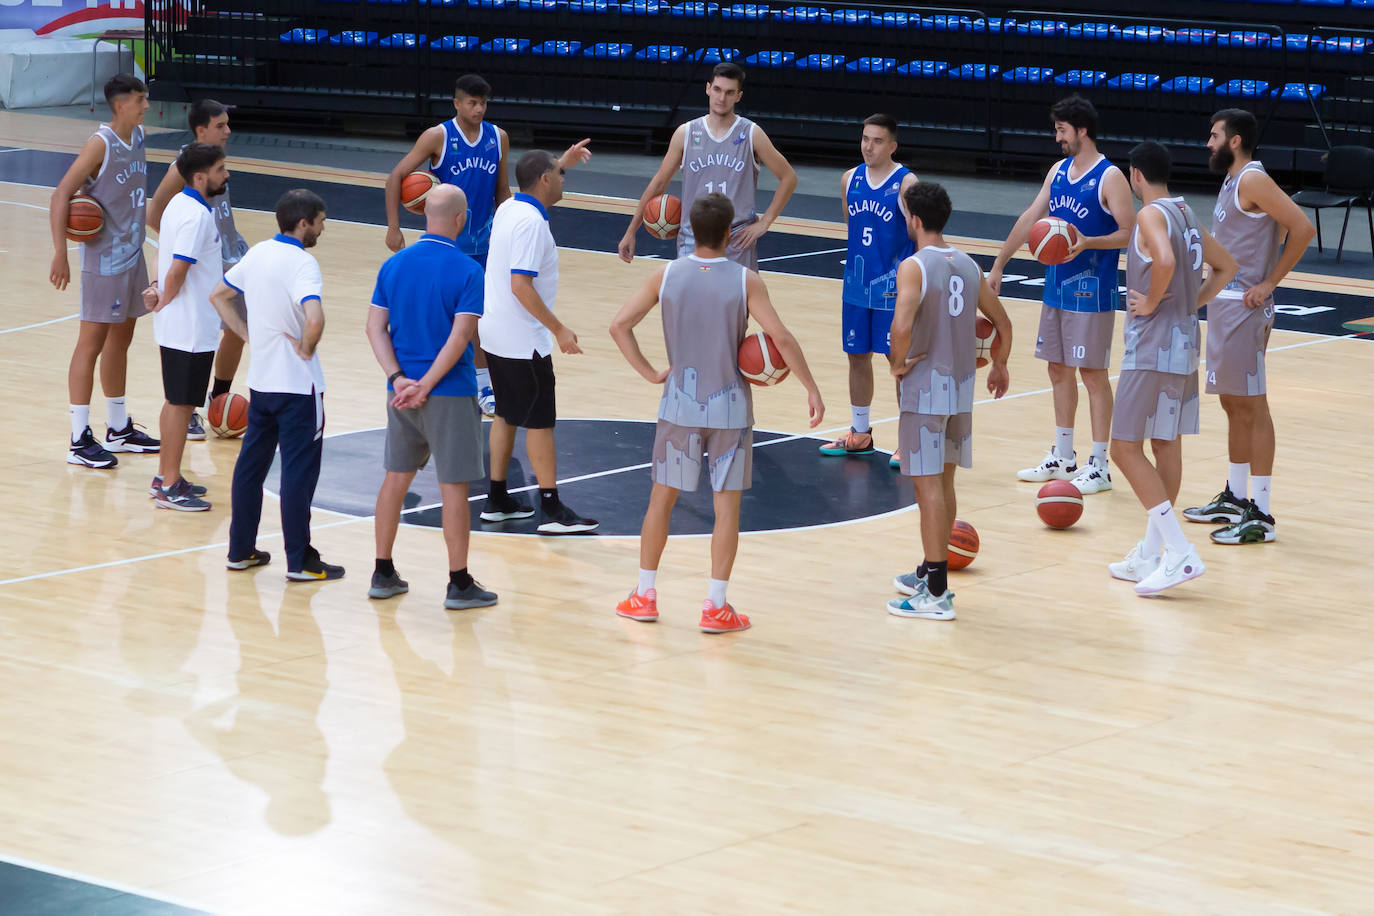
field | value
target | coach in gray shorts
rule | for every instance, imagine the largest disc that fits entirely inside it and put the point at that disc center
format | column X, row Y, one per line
column 424, row 313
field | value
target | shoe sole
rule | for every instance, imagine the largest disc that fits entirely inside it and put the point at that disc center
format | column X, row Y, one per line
column 244, row 564
column 1214, row 519
column 921, row 615
column 78, row 461
column 164, row 504
column 505, row 516
column 653, row 619
column 311, row 577
column 466, row 605
column 1116, row 575
column 1267, row 537
column 193, row 437
column 391, row 591
column 845, row 453
column 716, row 631
column 1066, row 475
column 1092, row 488
column 1155, row 591
column 897, row 584
column 555, row 528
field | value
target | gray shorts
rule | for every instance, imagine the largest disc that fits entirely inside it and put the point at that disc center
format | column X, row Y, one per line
column 680, row 451
column 926, row 442
column 447, row 426
column 110, row 300
column 1237, row 337
column 1154, row 405
column 1082, row 339
column 240, row 306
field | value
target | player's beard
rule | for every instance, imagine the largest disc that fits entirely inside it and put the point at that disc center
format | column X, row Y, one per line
column 1222, row 160
column 217, row 191
column 311, row 237
column 1069, row 147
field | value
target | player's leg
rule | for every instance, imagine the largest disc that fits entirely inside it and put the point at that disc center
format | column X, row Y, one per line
column 857, row 333
column 537, row 404
column 84, row 449
column 1168, row 455
column 453, row 427
column 185, row 379
column 729, row 457
column 923, row 447
column 1227, row 378
column 250, row 472
column 227, row 359
column 1250, row 436
column 642, row 602
column 509, row 378
column 302, row 449
column 121, row 435
column 1059, row 462
column 405, row 451
column 1088, row 338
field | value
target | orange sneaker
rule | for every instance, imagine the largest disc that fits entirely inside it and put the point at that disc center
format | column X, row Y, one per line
column 643, row 608
column 721, row 619
column 851, row 443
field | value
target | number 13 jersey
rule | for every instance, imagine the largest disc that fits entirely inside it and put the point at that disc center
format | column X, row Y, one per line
column 942, row 382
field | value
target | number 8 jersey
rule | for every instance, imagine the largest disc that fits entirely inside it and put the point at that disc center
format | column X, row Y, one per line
column 942, row 383
column 1167, row 339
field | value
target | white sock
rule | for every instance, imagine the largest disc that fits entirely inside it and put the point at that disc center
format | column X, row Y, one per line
column 1154, row 540
column 116, row 416
column 858, row 418
column 1166, row 522
column 1099, row 457
column 646, row 581
column 716, row 591
column 1238, row 479
column 483, row 379
column 81, row 418
column 1260, row 488
column 1063, row 442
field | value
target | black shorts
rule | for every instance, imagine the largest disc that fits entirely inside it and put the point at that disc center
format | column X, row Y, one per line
column 186, row 376
column 524, row 390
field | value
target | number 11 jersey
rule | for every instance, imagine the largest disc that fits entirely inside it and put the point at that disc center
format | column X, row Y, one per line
column 720, row 166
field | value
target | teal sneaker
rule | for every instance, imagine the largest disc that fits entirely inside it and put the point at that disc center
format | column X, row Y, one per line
column 924, row 605
column 851, row 443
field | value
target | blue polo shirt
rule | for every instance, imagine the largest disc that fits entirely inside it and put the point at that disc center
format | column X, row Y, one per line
column 423, row 287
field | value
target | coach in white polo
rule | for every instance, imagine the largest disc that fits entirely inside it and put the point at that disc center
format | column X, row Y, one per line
column 518, row 329
column 281, row 286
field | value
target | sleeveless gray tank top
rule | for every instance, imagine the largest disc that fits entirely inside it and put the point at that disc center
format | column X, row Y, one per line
column 705, row 318
column 943, row 382
column 121, row 188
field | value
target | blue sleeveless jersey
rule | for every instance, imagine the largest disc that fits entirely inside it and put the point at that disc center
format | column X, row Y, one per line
column 1088, row 283
column 472, row 167
column 877, row 240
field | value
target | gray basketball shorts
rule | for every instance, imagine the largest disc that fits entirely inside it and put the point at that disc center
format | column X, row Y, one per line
column 1081, row 339
column 1237, row 337
column 240, row 306
column 1155, row 405
column 926, row 442
column 113, row 299
column 449, row 427
column 681, row 451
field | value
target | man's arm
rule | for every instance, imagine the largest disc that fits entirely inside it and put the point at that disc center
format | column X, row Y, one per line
column 630, row 315
column 782, row 170
column 429, row 145
column 999, row 379
column 762, row 311
column 909, row 279
column 503, row 169
column 378, row 332
column 1020, row 232
column 672, row 161
column 522, row 287
column 576, row 154
column 313, row 330
column 464, row 327
column 1117, row 192
column 87, row 165
column 908, row 180
column 1258, row 191
column 176, row 276
column 223, row 301
column 1154, row 238
column 169, row 187
column 844, row 193
column 1223, row 266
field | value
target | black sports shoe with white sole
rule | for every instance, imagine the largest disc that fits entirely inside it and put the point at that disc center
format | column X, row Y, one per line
column 315, row 569
column 256, row 558
column 89, row 453
column 130, row 439
column 566, row 521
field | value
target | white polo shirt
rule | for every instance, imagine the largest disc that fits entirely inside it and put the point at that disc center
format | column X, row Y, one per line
column 521, row 243
column 189, row 322
column 277, row 277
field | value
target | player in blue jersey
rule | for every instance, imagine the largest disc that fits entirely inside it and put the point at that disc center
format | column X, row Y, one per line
column 469, row 152
column 878, row 242
column 1075, row 335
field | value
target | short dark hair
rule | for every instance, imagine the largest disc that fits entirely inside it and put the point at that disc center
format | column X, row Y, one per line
column 201, row 113
column 532, row 166
column 1076, row 112
column 197, row 157
column 711, row 217
column 729, row 70
column 123, row 84
column 930, row 203
column 1152, row 160
column 473, row 85
column 296, row 205
column 885, row 121
column 1237, row 122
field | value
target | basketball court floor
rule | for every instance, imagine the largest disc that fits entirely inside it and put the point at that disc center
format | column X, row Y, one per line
column 182, row 738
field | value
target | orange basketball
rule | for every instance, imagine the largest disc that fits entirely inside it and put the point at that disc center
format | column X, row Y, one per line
column 760, row 361
column 85, row 218
column 984, row 333
column 1050, row 239
column 228, row 415
column 663, row 216
column 1059, row 504
column 415, row 187
column 963, row 545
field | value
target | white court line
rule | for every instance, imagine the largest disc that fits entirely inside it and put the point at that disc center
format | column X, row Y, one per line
column 98, row 882
column 804, row 254
column 17, row 149
column 40, row 324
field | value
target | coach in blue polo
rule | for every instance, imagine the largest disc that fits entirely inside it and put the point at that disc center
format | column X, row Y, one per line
column 423, row 317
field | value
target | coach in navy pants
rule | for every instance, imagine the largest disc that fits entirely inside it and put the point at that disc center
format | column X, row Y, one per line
column 281, row 285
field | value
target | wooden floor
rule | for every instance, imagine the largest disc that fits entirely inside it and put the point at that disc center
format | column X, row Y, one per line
column 1063, row 747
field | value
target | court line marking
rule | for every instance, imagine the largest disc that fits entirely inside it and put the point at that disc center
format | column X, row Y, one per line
column 29, row 327
column 804, row 254
column 99, row 882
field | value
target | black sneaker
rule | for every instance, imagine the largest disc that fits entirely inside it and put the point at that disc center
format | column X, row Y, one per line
column 387, row 586
column 156, row 485
column 315, row 569
column 566, row 521
column 1254, row 527
column 89, row 453
column 1225, row 509
column 256, row 558
column 461, row 599
column 179, row 496
column 195, row 430
column 130, row 439
column 505, row 510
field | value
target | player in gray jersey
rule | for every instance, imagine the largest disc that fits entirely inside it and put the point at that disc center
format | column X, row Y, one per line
column 112, row 168
column 209, row 122
column 1251, row 217
column 940, row 291
column 720, row 153
column 1156, row 395
column 705, row 417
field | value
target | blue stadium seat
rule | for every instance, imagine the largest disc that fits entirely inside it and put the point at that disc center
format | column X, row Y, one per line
column 925, row 69
column 1345, row 44
column 1361, row 4
column 770, row 59
column 893, row 20
column 809, row 14
column 1297, row 42
column 750, row 12
column 973, row 71
column 1098, row 31
column 850, row 17
column 484, row 4
column 662, row 53
column 1299, row 92
column 1083, row 78
column 539, row 5
column 1030, row 75
column 714, row 55
column 505, row 46
column 642, row 8
column 992, row 24
column 609, row 50
column 1038, row 27
column 1244, row 39
column 871, row 64
column 353, row 39
column 304, row 36
column 819, row 62
column 1242, row 89
column 455, row 43
column 407, row 40
column 694, row 10
column 594, row 7
column 1188, row 85
column 944, row 23
column 1144, row 34
column 1190, row 36
column 1323, row 2
column 557, row 48
column 1134, row 82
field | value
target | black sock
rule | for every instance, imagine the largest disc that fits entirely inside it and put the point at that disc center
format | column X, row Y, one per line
column 496, row 492
column 937, row 577
column 385, row 567
column 221, row 386
column 460, row 577
column 923, row 570
column 548, row 500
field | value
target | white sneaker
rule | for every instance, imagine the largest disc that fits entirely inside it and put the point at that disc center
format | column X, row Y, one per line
column 1052, row 468
column 1136, row 566
column 1094, row 478
column 486, row 402
column 1173, row 569
column 924, row 605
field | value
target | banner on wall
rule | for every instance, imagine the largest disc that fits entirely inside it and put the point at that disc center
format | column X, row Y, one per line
column 71, row 18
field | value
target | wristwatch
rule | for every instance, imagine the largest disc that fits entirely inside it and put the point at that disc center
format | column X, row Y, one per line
column 390, row 379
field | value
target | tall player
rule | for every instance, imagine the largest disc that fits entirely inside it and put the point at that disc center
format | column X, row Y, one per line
column 112, row 168
column 1251, row 217
column 470, row 152
column 720, row 153
column 209, row 122
column 934, row 360
column 878, row 242
column 1075, row 335
column 1156, row 395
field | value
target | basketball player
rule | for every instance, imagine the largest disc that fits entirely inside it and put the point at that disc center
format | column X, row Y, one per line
column 1156, row 395
column 113, row 169
column 1251, row 216
column 720, row 153
column 934, row 359
column 209, row 121
column 878, row 242
column 469, row 152
column 707, row 409
column 1076, row 322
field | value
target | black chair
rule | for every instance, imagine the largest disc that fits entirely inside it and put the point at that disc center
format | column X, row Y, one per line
column 1349, row 180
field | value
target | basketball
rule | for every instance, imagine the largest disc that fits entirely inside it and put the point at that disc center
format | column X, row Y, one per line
column 760, row 361
column 85, row 218
column 1059, row 504
column 1050, row 239
column 963, row 545
column 228, row 415
column 984, row 333
column 663, row 216
column 415, row 187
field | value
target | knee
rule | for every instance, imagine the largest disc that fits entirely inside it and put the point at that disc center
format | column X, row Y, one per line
column 1122, row 451
column 1060, row 373
column 1095, row 379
